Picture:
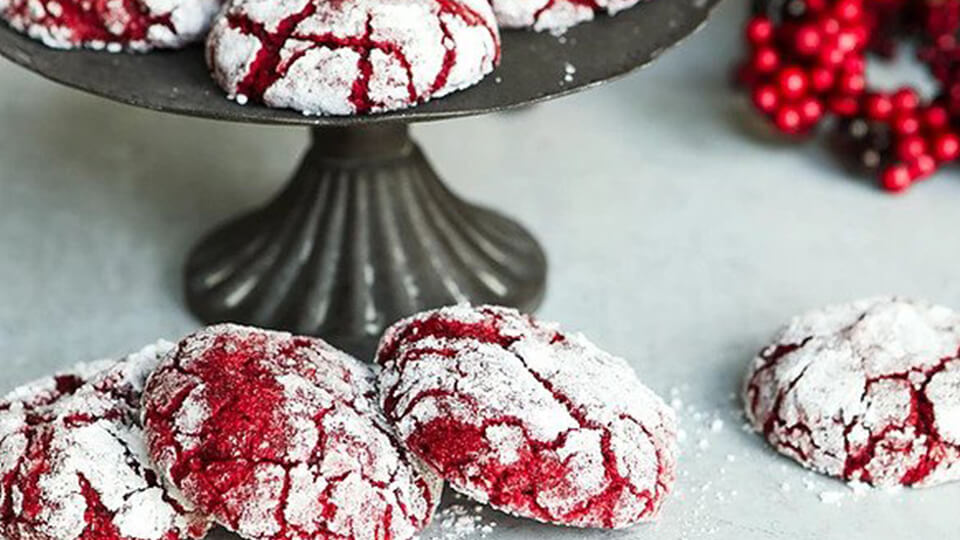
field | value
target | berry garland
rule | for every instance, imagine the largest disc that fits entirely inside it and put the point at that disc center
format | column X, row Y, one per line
column 807, row 63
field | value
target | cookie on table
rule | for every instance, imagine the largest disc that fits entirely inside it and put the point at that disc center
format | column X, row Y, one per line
column 278, row 437
column 534, row 421
column 867, row 392
column 111, row 25
column 325, row 57
column 73, row 465
column 554, row 15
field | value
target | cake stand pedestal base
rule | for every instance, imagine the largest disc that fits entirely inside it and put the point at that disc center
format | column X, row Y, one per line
column 364, row 234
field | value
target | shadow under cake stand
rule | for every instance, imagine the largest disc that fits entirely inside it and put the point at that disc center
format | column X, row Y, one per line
column 365, row 232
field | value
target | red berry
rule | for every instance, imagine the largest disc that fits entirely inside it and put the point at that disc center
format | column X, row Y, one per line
column 807, row 40
column 906, row 99
column 912, row 147
column 831, row 56
column 766, row 98
column 830, row 26
column 936, row 118
column 862, row 35
column 878, row 107
column 766, row 60
column 844, row 106
column 905, row 124
column 759, row 30
column 789, row 120
column 946, row 42
column 792, row 82
column 855, row 64
column 896, row 178
column 848, row 10
column 946, row 147
column 922, row 167
column 851, row 83
column 848, row 41
column 811, row 110
column 821, row 79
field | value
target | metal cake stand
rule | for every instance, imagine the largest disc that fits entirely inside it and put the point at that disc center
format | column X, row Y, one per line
column 366, row 232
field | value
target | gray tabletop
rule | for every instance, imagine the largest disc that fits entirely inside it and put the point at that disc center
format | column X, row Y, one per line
column 675, row 240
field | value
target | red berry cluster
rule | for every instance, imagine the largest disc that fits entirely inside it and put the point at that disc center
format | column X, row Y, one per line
column 807, row 59
column 921, row 137
column 941, row 22
column 898, row 138
column 808, row 64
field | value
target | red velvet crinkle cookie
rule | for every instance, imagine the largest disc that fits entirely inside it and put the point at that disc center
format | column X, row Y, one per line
column 344, row 58
column 112, row 25
column 867, row 391
column 554, row 15
column 535, row 422
column 280, row 437
column 73, row 464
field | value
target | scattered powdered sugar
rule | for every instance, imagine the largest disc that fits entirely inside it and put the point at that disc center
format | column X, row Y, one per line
column 699, row 427
column 865, row 391
column 485, row 394
column 114, row 25
column 569, row 70
column 277, row 436
column 460, row 522
column 703, row 444
column 555, row 16
column 73, row 463
column 829, row 494
column 710, row 485
column 345, row 58
column 831, row 497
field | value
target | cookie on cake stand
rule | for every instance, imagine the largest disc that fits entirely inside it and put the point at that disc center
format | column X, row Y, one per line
column 366, row 232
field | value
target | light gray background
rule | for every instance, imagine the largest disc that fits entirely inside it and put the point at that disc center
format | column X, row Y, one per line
column 675, row 240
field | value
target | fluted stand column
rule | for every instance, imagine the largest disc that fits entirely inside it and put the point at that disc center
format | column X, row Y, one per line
column 364, row 234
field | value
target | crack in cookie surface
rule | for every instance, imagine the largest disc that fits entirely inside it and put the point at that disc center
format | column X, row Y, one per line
column 865, row 392
column 536, row 422
column 73, row 465
column 279, row 437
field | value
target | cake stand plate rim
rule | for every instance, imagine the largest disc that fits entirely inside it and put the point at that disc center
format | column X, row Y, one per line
column 537, row 67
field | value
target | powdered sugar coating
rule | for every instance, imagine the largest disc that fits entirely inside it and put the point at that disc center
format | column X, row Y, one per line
column 867, row 391
column 73, row 464
column 112, row 25
column 280, row 437
column 533, row 421
column 554, row 15
column 341, row 58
